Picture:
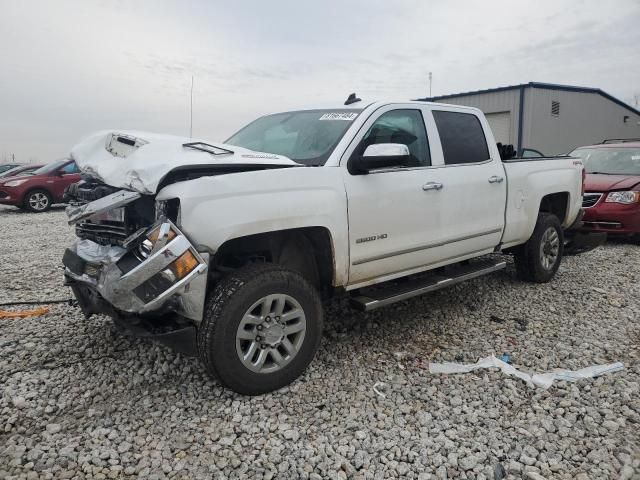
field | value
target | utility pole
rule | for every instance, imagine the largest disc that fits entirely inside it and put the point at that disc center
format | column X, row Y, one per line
column 430, row 81
column 191, row 111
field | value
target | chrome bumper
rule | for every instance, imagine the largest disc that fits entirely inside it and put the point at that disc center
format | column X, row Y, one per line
column 101, row 269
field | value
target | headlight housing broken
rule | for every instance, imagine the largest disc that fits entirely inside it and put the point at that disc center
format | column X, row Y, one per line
column 165, row 246
column 156, row 239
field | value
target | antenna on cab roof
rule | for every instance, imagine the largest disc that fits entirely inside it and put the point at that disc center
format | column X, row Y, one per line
column 352, row 99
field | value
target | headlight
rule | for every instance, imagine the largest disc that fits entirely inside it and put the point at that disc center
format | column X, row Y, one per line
column 15, row 183
column 623, row 197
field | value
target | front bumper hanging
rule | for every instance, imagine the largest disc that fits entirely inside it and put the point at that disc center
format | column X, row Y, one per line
column 157, row 269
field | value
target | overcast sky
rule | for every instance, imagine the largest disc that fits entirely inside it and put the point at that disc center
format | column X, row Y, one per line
column 68, row 68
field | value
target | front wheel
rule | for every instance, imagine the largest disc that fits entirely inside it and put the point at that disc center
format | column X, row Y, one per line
column 37, row 201
column 538, row 259
column 261, row 328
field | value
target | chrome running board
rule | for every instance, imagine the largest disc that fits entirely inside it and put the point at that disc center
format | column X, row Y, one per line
column 377, row 296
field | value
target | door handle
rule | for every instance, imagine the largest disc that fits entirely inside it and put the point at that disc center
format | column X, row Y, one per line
column 496, row 179
column 432, row 186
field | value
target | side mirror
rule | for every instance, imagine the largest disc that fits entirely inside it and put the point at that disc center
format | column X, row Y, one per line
column 380, row 155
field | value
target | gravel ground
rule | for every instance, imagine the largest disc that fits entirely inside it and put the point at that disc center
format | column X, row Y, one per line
column 80, row 401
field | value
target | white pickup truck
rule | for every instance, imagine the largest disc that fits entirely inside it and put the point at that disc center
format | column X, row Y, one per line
column 226, row 250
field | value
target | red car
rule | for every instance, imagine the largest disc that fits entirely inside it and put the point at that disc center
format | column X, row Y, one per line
column 611, row 200
column 40, row 189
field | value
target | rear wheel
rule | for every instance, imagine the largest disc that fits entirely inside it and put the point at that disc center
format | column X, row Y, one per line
column 37, row 201
column 538, row 259
column 261, row 328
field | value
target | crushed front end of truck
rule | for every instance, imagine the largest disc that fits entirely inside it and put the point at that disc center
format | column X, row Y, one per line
column 132, row 262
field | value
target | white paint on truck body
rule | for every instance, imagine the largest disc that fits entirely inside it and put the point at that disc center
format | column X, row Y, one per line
column 217, row 209
column 382, row 225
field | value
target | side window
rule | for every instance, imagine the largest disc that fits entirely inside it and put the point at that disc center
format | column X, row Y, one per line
column 462, row 137
column 70, row 168
column 401, row 126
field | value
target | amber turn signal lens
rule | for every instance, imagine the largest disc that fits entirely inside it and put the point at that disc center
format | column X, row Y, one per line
column 183, row 265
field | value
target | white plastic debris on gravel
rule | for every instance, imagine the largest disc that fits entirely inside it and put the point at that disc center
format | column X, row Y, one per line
column 78, row 400
column 542, row 380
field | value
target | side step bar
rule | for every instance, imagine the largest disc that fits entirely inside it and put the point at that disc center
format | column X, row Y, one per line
column 371, row 298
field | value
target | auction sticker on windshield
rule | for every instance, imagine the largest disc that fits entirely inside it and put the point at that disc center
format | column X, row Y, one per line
column 339, row 116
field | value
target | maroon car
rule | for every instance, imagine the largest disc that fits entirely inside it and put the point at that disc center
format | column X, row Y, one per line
column 41, row 188
column 612, row 188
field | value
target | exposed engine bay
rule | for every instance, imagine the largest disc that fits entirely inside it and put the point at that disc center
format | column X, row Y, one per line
column 114, row 225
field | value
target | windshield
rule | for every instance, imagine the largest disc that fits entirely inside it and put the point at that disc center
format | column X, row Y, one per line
column 306, row 137
column 610, row 161
column 10, row 172
column 4, row 168
column 50, row 167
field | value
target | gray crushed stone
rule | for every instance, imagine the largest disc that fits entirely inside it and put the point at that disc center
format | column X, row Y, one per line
column 78, row 400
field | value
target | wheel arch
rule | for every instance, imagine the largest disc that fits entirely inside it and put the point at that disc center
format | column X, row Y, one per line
column 307, row 250
column 557, row 204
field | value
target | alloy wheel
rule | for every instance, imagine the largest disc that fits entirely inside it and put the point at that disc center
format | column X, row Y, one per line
column 38, row 201
column 271, row 333
column 549, row 248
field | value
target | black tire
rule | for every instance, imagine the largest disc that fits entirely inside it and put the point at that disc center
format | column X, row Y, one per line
column 226, row 308
column 37, row 200
column 528, row 258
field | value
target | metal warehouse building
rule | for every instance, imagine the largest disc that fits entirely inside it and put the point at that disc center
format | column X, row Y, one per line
column 553, row 119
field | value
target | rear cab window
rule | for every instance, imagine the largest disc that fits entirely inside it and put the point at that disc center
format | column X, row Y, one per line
column 462, row 138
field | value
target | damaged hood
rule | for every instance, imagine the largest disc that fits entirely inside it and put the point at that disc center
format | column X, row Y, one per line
column 139, row 161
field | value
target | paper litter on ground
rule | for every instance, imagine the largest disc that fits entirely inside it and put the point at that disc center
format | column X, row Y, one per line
column 542, row 380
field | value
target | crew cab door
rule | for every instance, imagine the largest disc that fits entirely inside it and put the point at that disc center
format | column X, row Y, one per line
column 393, row 213
column 474, row 192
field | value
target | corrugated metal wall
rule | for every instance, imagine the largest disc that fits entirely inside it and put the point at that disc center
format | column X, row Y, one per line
column 506, row 101
column 583, row 119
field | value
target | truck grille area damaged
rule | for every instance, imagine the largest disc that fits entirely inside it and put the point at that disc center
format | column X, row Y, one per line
column 155, row 269
column 107, row 215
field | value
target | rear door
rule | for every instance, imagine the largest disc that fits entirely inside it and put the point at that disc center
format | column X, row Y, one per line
column 474, row 189
column 394, row 219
